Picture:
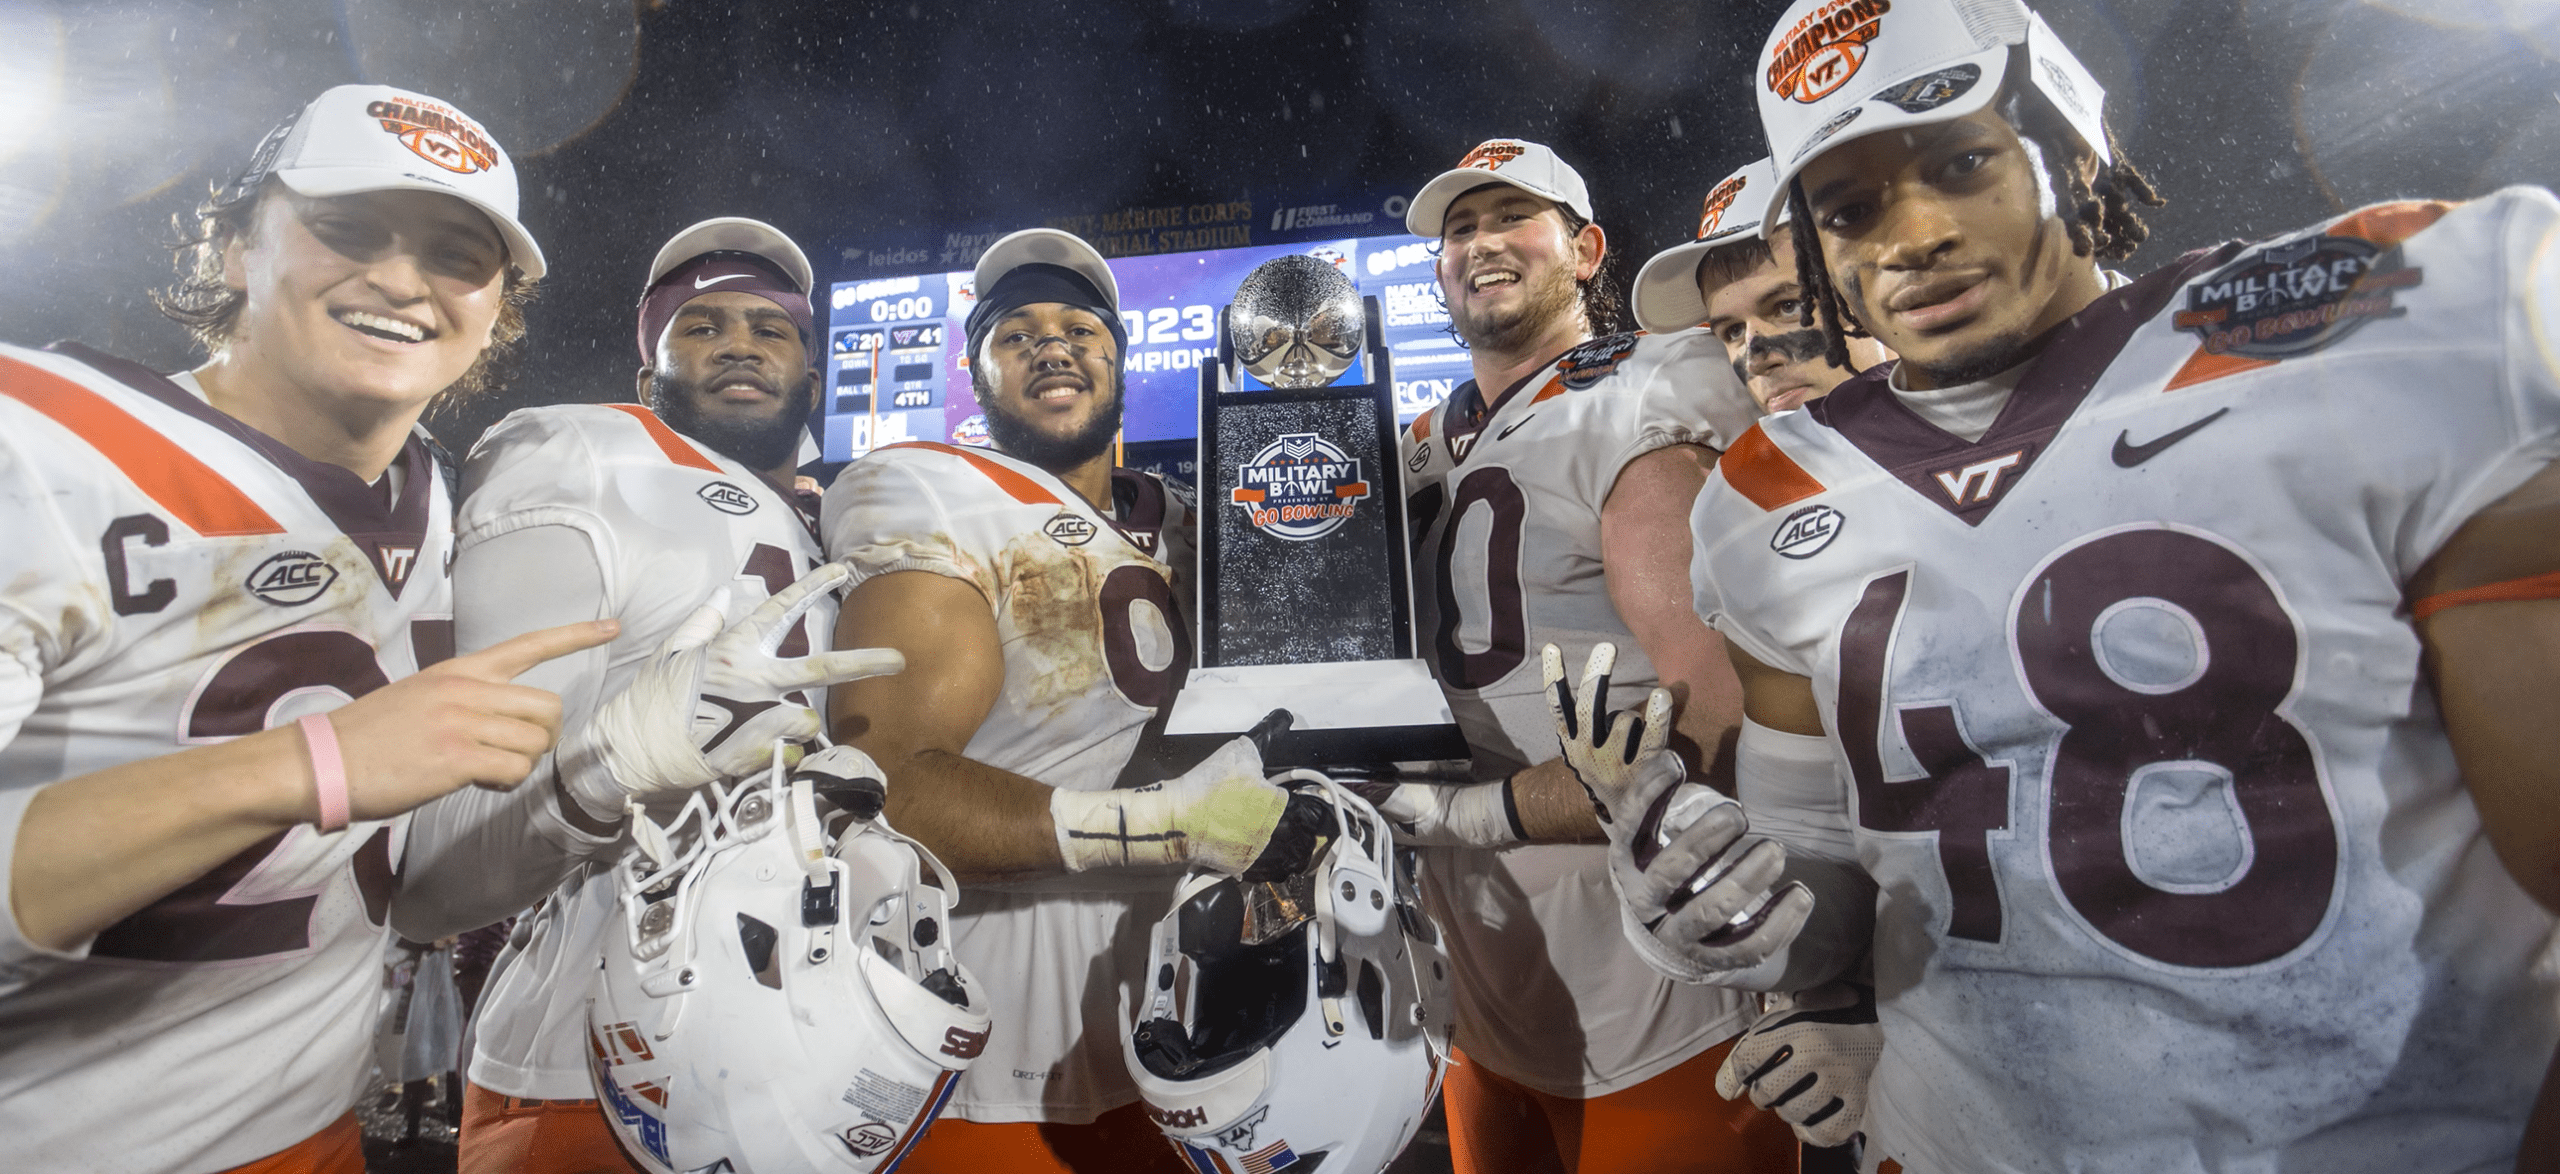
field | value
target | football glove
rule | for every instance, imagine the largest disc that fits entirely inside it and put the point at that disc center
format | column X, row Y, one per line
column 1465, row 815
column 712, row 701
column 1807, row 1060
column 1699, row 899
column 1221, row 815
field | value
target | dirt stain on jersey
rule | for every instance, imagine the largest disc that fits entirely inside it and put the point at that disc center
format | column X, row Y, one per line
column 1052, row 612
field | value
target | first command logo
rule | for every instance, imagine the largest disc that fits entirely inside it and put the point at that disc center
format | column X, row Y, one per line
column 1825, row 49
column 2295, row 298
column 1300, row 487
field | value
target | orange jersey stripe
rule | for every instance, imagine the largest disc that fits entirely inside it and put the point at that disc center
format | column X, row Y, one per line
column 2389, row 224
column 164, row 472
column 1422, row 424
column 2545, row 586
column 1023, row 489
column 1554, row 388
column 677, row 448
column 1758, row 469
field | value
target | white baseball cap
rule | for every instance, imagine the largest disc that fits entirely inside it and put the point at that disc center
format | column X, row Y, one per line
column 735, row 234
column 1836, row 70
column 1045, row 246
column 381, row 138
column 1666, row 289
column 1525, row 165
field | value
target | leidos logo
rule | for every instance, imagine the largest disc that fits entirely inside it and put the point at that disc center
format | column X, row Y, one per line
column 1299, row 487
column 1718, row 203
column 1807, row 531
column 291, row 579
column 1492, row 155
column 436, row 134
column 1824, row 50
column 727, row 498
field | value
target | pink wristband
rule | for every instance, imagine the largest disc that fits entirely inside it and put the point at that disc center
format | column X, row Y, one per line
column 328, row 770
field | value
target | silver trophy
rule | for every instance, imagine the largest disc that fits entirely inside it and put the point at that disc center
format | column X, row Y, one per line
column 1304, row 580
column 1296, row 322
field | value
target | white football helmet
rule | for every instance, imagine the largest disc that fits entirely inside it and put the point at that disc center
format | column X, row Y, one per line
column 1296, row 1024
column 774, row 998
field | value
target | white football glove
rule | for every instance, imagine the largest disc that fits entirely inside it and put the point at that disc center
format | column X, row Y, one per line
column 1222, row 815
column 1807, row 1060
column 1698, row 899
column 711, row 702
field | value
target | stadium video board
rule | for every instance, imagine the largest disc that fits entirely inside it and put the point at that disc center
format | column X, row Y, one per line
column 896, row 371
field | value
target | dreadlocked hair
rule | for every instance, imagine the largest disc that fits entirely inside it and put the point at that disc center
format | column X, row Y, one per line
column 1814, row 279
column 2098, row 213
column 199, row 300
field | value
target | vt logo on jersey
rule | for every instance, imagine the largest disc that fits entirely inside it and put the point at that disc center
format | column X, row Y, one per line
column 2295, row 298
column 292, row 579
column 1299, row 487
column 1979, row 482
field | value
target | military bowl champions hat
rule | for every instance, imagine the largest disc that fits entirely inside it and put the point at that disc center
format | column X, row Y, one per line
column 381, row 138
column 1837, row 70
column 1528, row 166
column 1666, row 291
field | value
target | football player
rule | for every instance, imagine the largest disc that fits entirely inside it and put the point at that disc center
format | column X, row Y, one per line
column 641, row 510
column 225, row 652
column 1549, row 498
column 1034, row 589
column 2185, row 647
column 1740, row 283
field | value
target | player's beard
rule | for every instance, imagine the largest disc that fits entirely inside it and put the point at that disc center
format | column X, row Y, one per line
column 756, row 443
column 1551, row 296
column 1016, row 438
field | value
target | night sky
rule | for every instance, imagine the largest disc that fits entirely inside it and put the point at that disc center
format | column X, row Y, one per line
column 861, row 126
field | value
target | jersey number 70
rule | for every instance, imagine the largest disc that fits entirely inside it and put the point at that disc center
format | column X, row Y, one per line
column 2223, row 717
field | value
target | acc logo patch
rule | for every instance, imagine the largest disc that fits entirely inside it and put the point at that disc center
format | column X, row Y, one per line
column 1807, row 531
column 727, row 498
column 869, row 1138
column 291, row 579
column 1824, row 50
column 2295, row 298
column 1929, row 91
column 1593, row 361
column 1069, row 530
column 436, row 134
column 1300, row 487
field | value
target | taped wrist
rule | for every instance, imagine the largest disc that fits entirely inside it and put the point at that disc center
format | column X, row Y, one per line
column 1791, row 789
column 1115, row 829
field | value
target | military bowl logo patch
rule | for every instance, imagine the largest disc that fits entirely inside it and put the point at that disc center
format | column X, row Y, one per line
column 1300, row 487
column 2295, row 298
column 1593, row 361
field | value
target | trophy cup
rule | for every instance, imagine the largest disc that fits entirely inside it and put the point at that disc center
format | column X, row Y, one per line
column 1305, row 579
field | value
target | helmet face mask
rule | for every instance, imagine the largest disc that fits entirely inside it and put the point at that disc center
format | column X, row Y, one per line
column 774, row 998
column 1293, row 1023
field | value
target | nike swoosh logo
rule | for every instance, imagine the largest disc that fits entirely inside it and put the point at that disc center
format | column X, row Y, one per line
column 708, row 282
column 2128, row 454
column 1515, row 427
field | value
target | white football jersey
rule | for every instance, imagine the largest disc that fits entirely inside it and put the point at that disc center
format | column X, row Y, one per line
column 2177, row 870
column 175, row 578
column 670, row 522
column 1506, row 524
column 1091, row 611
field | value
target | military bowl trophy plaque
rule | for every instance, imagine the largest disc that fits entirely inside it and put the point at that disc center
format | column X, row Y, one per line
column 1305, row 579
